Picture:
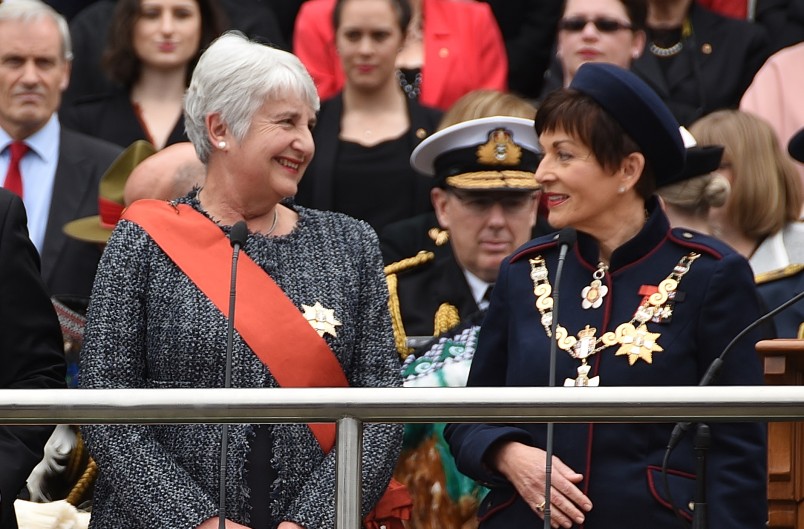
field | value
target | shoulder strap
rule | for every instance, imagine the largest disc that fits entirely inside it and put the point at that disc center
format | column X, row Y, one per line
column 265, row 318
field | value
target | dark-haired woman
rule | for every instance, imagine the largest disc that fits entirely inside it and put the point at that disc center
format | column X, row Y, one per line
column 611, row 31
column 451, row 48
column 365, row 134
column 641, row 304
column 153, row 46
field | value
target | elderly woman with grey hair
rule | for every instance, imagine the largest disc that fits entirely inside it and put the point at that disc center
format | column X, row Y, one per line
column 306, row 278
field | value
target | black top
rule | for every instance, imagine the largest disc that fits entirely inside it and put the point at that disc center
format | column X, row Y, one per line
column 377, row 183
column 260, row 476
column 320, row 187
column 113, row 117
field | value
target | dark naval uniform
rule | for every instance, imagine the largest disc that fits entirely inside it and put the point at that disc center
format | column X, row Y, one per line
column 423, row 289
column 715, row 298
column 779, row 286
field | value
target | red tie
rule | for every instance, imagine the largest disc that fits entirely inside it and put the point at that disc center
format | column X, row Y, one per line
column 13, row 176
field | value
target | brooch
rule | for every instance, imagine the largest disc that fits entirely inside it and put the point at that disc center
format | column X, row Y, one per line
column 321, row 319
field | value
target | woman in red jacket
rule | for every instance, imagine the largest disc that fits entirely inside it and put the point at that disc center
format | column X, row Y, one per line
column 452, row 48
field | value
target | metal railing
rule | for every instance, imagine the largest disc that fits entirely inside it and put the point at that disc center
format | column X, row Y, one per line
column 351, row 407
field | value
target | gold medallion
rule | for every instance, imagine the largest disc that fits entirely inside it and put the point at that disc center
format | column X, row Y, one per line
column 321, row 319
column 593, row 294
column 633, row 337
column 637, row 342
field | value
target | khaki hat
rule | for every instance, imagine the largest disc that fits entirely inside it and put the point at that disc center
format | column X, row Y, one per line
column 97, row 228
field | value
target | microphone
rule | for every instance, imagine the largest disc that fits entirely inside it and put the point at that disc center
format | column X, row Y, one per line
column 566, row 239
column 237, row 237
column 714, row 368
column 708, row 378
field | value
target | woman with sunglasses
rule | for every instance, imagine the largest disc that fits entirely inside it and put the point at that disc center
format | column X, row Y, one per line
column 640, row 304
column 596, row 31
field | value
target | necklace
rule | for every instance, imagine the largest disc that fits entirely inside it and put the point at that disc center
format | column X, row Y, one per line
column 273, row 224
column 635, row 341
column 593, row 294
column 675, row 49
column 658, row 51
column 412, row 90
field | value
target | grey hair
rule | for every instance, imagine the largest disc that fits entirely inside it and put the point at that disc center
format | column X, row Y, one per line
column 32, row 10
column 233, row 78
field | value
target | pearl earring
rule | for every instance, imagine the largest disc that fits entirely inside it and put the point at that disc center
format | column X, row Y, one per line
column 221, row 144
column 621, row 190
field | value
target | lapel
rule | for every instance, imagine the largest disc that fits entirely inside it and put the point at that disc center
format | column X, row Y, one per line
column 647, row 67
column 422, row 124
column 453, row 288
column 70, row 191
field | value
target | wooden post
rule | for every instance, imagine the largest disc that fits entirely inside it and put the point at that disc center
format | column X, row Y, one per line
column 783, row 361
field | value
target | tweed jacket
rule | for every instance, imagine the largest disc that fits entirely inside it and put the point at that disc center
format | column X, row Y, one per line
column 150, row 327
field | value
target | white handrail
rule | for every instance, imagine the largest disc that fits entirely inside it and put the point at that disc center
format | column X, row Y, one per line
column 350, row 407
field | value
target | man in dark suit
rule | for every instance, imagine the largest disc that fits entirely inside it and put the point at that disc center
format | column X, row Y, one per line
column 57, row 171
column 30, row 348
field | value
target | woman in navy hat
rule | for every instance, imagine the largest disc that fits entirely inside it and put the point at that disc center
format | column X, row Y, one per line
column 640, row 304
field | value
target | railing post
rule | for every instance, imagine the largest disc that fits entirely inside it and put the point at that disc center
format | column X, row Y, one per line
column 348, row 473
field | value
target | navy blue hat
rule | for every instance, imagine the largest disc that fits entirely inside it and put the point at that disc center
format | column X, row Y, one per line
column 796, row 146
column 639, row 111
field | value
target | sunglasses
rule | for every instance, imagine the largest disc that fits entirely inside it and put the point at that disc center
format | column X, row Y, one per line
column 603, row 24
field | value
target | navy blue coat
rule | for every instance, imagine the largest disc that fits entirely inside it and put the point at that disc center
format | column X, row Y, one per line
column 620, row 462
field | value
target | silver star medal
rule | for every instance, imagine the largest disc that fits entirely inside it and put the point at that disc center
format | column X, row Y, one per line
column 321, row 319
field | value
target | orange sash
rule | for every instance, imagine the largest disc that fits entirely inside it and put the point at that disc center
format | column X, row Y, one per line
column 265, row 316
column 200, row 249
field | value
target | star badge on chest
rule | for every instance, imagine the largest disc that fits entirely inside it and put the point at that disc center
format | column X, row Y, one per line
column 321, row 319
column 637, row 342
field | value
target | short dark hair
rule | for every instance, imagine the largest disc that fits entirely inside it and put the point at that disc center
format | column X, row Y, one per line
column 121, row 63
column 580, row 116
column 402, row 8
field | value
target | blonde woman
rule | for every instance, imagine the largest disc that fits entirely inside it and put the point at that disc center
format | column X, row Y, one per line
column 761, row 219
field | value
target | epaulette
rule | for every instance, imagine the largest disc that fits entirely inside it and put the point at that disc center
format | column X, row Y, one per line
column 409, row 262
column 391, row 270
column 536, row 245
column 781, row 273
column 699, row 242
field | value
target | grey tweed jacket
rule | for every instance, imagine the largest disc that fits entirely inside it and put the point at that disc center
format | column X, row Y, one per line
column 150, row 327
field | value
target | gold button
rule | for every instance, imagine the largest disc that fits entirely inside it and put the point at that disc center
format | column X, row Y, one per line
column 706, row 48
column 443, row 53
column 687, row 235
column 421, row 133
